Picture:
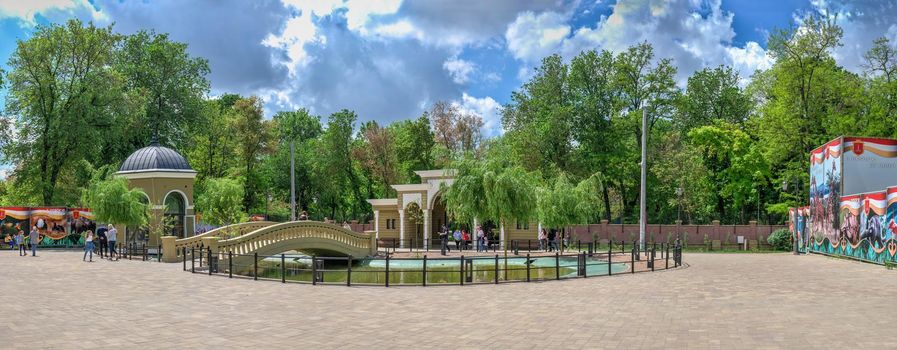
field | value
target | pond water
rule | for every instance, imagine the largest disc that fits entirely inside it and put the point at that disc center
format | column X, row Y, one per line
column 439, row 271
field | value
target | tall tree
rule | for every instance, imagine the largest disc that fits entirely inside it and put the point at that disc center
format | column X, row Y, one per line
column 414, row 144
column 173, row 82
column 713, row 95
column 62, row 92
column 253, row 137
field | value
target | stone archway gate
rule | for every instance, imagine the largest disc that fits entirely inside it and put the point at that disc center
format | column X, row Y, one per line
column 266, row 238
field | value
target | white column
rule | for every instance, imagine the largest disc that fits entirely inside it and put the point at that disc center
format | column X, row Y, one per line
column 539, row 231
column 402, row 228
column 501, row 237
column 377, row 224
column 426, row 227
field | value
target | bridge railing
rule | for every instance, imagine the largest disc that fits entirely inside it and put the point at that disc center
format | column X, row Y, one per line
column 223, row 232
column 423, row 271
column 272, row 234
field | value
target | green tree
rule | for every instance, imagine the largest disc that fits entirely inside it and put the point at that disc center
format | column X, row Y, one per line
column 414, row 144
column 173, row 82
column 221, row 202
column 341, row 185
column 113, row 202
column 711, row 95
column 253, row 136
column 62, row 92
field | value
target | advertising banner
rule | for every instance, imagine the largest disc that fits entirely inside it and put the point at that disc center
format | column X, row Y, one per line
column 13, row 219
column 825, row 189
column 870, row 164
column 81, row 220
column 52, row 225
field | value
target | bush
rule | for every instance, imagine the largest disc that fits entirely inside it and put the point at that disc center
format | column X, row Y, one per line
column 780, row 240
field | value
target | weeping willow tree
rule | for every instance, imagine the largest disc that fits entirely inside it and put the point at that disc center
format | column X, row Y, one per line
column 561, row 203
column 490, row 191
column 221, row 203
column 113, row 202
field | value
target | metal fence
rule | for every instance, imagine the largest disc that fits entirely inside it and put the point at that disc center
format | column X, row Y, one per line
column 426, row 271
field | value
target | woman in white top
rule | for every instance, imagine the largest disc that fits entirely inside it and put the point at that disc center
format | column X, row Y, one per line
column 88, row 246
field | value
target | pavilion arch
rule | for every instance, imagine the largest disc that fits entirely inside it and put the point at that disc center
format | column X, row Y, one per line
column 175, row 209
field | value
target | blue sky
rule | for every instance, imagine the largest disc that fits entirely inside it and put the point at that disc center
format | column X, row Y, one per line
column 389, row 60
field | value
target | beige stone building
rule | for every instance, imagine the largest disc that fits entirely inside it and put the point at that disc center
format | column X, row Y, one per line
column 167, row 179
column 393, row 219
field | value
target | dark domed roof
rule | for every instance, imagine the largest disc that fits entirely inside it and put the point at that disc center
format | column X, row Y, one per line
column 155, row 157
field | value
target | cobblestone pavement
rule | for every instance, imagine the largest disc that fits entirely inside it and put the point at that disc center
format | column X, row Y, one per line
column 720, row 301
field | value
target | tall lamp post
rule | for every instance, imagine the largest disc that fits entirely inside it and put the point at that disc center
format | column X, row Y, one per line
column 679, row 192
column 643, row 200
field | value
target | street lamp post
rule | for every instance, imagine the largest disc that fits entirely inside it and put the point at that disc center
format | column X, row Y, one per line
column 679, row 192
column 643, row 195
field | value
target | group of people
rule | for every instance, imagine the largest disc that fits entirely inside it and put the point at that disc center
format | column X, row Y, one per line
column 550, row 239
column 462, row 239
column 18, row 241
column 107, row 239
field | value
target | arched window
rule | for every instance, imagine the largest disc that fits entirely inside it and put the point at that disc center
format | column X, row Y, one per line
column 175, row 212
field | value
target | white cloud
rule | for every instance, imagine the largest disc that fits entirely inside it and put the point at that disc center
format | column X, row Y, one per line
column 862, row 22
column 531, row 37
column 485, row 107
column 695, row 34
column 460, row 70
column 27, row 10
column 360, row 12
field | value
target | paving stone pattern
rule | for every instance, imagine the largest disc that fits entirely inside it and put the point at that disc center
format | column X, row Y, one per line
column 720, row 301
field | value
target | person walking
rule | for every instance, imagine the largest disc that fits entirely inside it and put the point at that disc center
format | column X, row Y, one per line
column 20, row 241
column 457, row 236
column 552, row 241
column 443, row 236
column 543, row 240
column 112, row 236
column 481, row 237
column 465, row 238
column 34, row 240
column 88, row 246
column 103, row 243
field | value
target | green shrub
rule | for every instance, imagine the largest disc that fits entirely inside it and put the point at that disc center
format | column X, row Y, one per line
column 780, row 240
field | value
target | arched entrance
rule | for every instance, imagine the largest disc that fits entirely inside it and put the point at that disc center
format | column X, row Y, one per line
column 414, row 218
column 439, row 218
column 175, row 213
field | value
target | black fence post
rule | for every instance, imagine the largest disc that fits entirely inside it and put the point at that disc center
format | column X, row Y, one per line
column 667, row 256
column 557, row 266
column 314, row 270
column 632, row 256
column 255, row 266
column 283, row 268
column 144, row 251
column 349, row 271
column 200, row 256
column 184, row 256
column 387, row 270
column 424, row 272
column 653, row 256
column 585, row 265
column 230, row 264
column 192, row 260
column 210, row 261
column 461, row 271
column 496, row 268
column 609, row 259
column 527, row 263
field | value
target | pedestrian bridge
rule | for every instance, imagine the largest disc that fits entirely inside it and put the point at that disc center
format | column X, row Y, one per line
column 246, row 240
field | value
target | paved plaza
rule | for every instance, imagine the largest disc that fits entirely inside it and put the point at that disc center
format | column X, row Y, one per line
column 720, row 301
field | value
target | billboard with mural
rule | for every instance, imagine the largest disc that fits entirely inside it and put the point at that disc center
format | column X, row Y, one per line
column 81, row 220
column 52, row 225
column 13, row 219
column 825, row 189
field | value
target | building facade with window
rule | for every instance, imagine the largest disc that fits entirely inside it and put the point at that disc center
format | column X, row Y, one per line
column 417, row 213
column 167, row 179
